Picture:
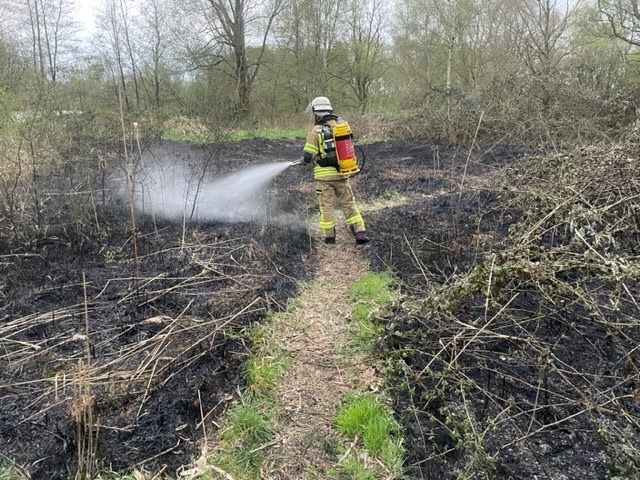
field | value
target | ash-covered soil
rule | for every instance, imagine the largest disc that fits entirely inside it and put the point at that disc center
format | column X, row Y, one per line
column 126, row 351
column 514, row 351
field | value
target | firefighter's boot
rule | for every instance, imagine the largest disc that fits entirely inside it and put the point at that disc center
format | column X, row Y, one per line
column 361, row 237
column 330, row 236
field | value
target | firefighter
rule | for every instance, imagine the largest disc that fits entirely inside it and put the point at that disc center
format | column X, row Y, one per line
column 331, row 185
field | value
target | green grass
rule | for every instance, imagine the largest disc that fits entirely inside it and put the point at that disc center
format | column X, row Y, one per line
column 364, row 418
column 269, row 134
column 178, row 136
column 264, row 133
column 355, row 469
column 373, row 289
column 392, row 455
column 370, row 294
column 9, row 470
column 392, row 194
column 264, row 373
column 248, row 428
column 363, row 330
column 267, row 363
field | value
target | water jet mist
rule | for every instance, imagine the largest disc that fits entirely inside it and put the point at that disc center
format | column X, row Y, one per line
column 177, row 191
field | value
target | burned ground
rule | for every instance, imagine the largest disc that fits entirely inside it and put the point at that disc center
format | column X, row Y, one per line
column 514, row 351
column 120, row 356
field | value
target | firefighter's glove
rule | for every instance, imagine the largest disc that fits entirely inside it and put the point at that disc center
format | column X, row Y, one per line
column 307, row 159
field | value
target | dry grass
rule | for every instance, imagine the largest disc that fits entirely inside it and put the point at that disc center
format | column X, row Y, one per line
column 82, row 364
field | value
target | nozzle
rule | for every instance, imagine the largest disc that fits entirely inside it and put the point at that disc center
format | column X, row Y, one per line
column 297, row 162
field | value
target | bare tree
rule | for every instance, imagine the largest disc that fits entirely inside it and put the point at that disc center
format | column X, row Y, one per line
column 109, row 22
column 117, row 48
column 623, row 16
column 13, row 176
column 154, row 37
column 366, row 24
column 444, row 39
column 126, row 25
column 542, row 40
column 308, row 31
column 51, row 28
column 235, row 34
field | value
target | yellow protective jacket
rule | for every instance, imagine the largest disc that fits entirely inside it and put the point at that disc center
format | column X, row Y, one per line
column 314, row 146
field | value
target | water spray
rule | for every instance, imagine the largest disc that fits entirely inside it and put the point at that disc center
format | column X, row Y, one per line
column 171, row 190
column 179, row 190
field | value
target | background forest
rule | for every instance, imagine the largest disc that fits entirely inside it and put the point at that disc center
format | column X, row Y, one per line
column 539, row 71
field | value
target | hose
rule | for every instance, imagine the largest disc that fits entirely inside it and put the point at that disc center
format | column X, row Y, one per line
column 361, row 159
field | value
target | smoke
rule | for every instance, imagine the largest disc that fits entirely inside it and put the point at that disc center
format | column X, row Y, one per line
column 174, row 191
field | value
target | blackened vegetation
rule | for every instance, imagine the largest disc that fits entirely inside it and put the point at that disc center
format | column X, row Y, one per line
column 515, row 351
column 124, row 378
column 517, row 345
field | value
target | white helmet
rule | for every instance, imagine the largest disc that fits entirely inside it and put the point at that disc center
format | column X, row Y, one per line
column 319, row 104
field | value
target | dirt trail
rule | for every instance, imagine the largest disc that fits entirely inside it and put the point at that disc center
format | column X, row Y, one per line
column 322, row 371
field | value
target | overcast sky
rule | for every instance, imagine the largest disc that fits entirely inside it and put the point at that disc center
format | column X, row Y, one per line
column 86, row 12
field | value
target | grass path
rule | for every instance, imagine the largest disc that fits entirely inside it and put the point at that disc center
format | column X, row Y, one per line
column 322, row 371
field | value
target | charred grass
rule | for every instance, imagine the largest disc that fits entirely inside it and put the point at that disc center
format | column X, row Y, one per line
column 117, row 362
column 515, row 352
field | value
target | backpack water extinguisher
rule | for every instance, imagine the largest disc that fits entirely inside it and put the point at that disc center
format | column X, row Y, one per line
column 340, row 150
column 345, row 150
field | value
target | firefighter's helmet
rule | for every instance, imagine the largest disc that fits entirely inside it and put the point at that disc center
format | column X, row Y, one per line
column 320, row 104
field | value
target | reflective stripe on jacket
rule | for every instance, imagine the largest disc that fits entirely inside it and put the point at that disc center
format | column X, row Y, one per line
column 315, row 146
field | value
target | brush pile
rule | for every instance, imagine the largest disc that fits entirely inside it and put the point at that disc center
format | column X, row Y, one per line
column 518, row 352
